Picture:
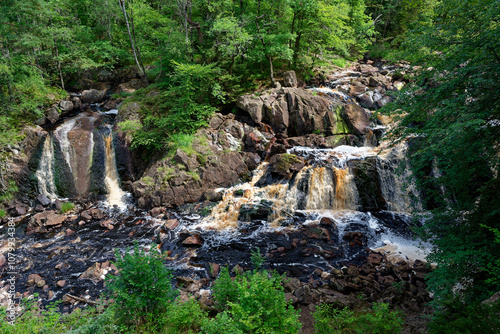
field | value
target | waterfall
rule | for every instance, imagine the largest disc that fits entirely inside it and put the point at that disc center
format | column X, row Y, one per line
column 115, row 194
column 45, row 172
column 61, row 134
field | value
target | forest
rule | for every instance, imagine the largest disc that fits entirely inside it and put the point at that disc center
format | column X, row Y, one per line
column 195, row 58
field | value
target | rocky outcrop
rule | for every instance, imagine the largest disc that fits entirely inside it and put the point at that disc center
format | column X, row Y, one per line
column 216, row 160
column 291, row 111
column 286, row 164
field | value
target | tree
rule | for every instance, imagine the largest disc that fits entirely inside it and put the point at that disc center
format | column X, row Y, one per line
column 453, row 115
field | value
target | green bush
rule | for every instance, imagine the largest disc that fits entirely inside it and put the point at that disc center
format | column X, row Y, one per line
column 457, row 317
column 252, row 302
column 3, row 213
column 344, row 321
column 185, row 317
column 35, row 319
column 65, row 207
column 142, row 290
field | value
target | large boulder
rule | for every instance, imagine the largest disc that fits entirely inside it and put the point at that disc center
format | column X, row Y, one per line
column 356, row 118
column 66, row 106
column 290, row 111
column 93, row 96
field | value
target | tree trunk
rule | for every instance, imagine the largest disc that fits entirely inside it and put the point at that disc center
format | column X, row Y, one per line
column 272, row 71
column 139, row 65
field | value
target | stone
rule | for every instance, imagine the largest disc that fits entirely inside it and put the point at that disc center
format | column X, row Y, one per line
column 366, row 101
column 18, row 210
column 43, row 200
column 170, row 224
column 107, row 224
column 213, row 270
column 398, row 85
column 52, row 115
column 253, row 105
column 35, row 279
column 39, row 208
column 356, row 118
column 156, row 211
column 304, row 295
column 93, row 96
column 286, row 164
column 367, row 68
column 61, row 283
column 86, row 215
column 46, row 218
column 62, row 266
column 96, row 213
column 95, row 273
column 181, row 157
column 58, row 204
column 194, row 240
column 326, row 221
column 383, row 101
column 289, row 79
column 357, row 89
column 66, row 106
column 375, row 259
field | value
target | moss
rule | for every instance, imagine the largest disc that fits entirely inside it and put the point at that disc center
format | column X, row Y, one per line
column 340, row 125
column 148, row 180
column 195, row 176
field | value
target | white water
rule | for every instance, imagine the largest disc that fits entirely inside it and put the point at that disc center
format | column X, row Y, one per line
column 61, row 133
column 115, row 193
column 45, row 172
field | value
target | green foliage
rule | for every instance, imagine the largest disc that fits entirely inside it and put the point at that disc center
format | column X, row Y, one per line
column 3, row 213
column 452, row 114
column 35, row 319
column 142, row 290
column 186, row 317
column 456, row 317
column 9, row 192
column 67, row 206
column 254, row 302
column 380, row 320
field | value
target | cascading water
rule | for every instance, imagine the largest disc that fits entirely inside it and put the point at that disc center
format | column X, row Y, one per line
column 45, row 172
column 115, row 193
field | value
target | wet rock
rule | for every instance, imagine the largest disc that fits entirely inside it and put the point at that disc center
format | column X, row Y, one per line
column 170, row 224
column 255, row 211
column 367, row 69
column 213, row 270
column 35, row 279
column 129, row 111
column 18, row 210
column 107, row 224
column 378, row 79
column 286, row 164
column 357, row 89
column 45, row 218
column 326, row 221
column 366, row 101
column 93, row 96
column 289, row 79
column 62, row 266
column 60, row 283
column 43, row 200
column 194, row 240
column 3, row 260
column 356, row 118
column 86, row 215
column 96, row 213
column 58, row 204
column 156, row 211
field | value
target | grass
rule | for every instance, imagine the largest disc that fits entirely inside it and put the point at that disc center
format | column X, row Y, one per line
column 65, row 207
column 3, row 213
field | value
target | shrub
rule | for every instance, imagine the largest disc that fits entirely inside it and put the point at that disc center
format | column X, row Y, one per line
column 457, row 317
column 142, row 290
column 254, row 302
column 378, row 321
column 65, row 207
column 185, row 317
column 3, row 213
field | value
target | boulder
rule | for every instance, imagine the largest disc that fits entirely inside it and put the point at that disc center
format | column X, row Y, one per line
column 286, row 164
column 253, row 105
column 383, row 101
column 289, row 79
column 366, row 100
column 194, row 240
column 52, row 115
column 66, row 106
column 356, row 118
column 43, row 200
column 45, row 218
column 93, row 96
column 130, row 111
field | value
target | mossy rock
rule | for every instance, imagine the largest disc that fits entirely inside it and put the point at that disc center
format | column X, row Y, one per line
column 286, row 164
